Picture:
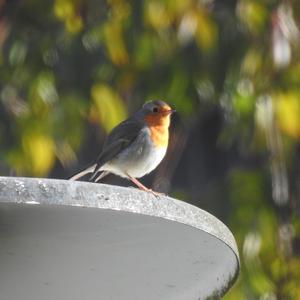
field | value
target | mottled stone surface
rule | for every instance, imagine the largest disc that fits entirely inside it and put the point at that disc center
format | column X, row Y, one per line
column 205, row 262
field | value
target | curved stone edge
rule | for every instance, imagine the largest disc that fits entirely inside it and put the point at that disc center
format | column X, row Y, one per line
column 86, row 194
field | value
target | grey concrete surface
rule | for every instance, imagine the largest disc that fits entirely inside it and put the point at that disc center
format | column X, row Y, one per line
column 94, row 241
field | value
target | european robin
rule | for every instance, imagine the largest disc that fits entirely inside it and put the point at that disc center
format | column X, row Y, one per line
column 135, row 147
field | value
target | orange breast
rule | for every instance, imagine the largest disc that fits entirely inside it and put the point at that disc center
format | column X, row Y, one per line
column 159, row 130
column 159, row 136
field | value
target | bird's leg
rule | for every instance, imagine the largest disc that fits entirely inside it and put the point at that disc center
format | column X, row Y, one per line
column 103, row 174
column 141, row 186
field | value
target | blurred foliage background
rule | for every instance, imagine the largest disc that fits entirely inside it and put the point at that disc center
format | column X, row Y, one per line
column 72, row 69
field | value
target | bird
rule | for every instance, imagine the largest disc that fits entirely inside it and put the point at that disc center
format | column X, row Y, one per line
column 135, row 147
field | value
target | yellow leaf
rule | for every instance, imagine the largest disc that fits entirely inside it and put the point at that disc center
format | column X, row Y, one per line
column 115, row 44
column 287, row 107
column 63, row 9
column 252, row 61
column 66, row 10
column 206, row 32
column 253, row 14
column 39, row 152
column 74, row 24
column 156, row 15
column 108, row 105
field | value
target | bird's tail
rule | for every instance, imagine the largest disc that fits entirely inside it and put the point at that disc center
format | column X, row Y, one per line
column 82, row 173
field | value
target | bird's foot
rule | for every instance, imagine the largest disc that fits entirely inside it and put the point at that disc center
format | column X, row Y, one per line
column 144, row 188
column 156, row 194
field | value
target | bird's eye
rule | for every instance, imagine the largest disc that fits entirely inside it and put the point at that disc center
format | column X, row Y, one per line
column 155, row 109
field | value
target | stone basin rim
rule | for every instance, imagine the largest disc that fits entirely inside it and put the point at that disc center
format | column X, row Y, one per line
column 104, row 196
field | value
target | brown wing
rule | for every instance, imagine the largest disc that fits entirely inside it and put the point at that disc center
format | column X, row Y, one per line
column 119, row 139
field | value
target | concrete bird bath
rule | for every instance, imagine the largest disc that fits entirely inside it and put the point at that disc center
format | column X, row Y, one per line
column 75, row 240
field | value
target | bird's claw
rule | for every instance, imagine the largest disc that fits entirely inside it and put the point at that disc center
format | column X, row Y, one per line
column 156, row 194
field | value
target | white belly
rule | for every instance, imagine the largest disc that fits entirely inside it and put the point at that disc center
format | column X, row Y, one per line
column 139, row 159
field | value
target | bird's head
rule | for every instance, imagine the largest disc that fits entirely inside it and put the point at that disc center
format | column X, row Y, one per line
column 157, row 113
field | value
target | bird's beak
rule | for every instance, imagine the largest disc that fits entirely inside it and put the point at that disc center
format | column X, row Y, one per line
column 169, row 112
